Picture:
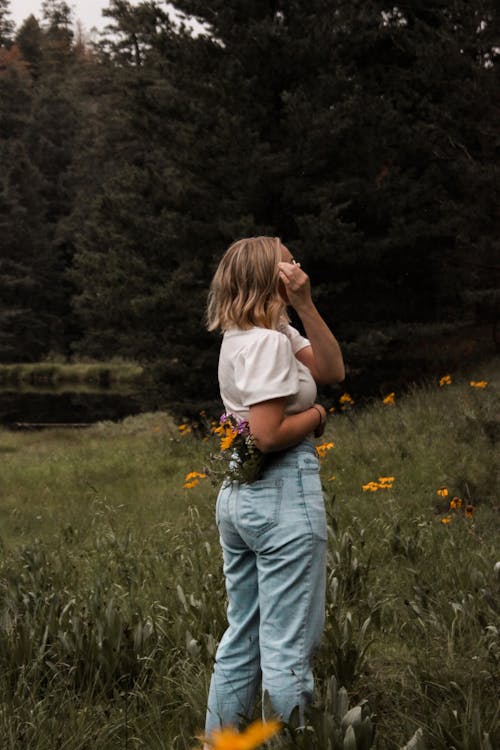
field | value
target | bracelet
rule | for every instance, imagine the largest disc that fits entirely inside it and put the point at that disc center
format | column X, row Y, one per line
column 320, row 415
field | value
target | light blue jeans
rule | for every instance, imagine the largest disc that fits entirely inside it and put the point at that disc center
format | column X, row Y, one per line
column 273, row 536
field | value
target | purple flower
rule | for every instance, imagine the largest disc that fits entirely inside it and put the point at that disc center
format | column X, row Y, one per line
column 243, row 427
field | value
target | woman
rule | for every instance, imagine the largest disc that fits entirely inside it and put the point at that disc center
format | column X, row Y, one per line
column 272, row 531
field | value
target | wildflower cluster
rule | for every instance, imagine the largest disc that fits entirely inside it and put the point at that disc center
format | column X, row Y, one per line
column 457, row 505
column 253, row 736
column 383, row 483
column 237, row 458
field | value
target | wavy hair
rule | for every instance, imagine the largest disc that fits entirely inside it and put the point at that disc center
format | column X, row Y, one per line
column 245, row 288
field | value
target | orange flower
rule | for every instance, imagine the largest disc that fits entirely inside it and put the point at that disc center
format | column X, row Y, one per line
column 446, row 519
column 228, row 439
column 469, row 511
column 455, row 503
column 383, row 483
column 346, row 400
column 184, row 429
column 445, row 380
column 192, row 479
column 253, row 736
column 478, row 383
column 323, row 448
column 442, row 492
column 390, row 399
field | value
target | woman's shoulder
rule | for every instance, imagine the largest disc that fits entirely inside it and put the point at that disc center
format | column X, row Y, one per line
column 243, row 341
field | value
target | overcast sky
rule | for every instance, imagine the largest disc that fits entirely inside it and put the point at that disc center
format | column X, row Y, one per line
column 87, row 11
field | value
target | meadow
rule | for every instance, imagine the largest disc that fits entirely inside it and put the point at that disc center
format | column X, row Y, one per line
column 112, row 598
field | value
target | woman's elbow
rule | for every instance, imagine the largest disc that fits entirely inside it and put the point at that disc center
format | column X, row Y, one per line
column 264, row 443
column 333, row 377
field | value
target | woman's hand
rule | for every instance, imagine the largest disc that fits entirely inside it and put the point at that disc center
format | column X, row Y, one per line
column 296, row 285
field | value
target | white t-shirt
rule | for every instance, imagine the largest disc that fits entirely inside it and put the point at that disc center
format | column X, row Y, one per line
column 259, row 364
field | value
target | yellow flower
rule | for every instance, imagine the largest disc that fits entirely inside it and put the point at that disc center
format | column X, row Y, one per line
column 478, row 383
column 192, row 479
column 332, row 410
column 184, row 429
column 323, row 448
column 383, row 483
column 442, row 492
column 253, row 736
column 455, row 503
column 446, row 519
column 390, row 399
column 469, row 511
column 445, row 380
column 370, row 487
column 228, row 439
column 346, row 399
column 386, row 480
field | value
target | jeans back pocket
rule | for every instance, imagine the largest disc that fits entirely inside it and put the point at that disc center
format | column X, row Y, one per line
column 259, row 506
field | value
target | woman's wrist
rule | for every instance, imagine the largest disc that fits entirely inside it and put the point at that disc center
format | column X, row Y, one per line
column 322, row 420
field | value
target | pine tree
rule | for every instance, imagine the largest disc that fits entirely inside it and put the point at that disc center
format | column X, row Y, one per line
column 348, row 129
column 6, row 24
column 24, row 325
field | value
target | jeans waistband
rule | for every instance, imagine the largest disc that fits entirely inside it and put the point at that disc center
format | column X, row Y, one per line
column 289, row 456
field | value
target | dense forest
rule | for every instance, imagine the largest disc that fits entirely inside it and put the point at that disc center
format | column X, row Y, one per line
column 366, row 135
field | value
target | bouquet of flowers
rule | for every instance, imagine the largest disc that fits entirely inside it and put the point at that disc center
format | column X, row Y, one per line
column 237, row 459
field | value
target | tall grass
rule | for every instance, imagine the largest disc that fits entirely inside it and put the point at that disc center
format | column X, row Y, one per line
column 112, row 598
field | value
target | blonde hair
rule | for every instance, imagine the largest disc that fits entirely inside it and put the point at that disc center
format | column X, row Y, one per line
column 245, row 288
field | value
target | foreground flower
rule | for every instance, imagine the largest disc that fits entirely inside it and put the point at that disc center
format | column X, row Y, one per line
column 253, row 736
column 446, row 520
column 455, row 503
column 184, row 429
column 478, row 383
column 442, row 492
column 469, row 511
column 445, row 380
column 390, row 399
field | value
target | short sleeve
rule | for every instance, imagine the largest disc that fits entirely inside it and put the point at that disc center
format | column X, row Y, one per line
column 266, row 369
column 297, row 341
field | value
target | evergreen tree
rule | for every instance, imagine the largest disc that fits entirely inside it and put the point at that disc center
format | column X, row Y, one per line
column 29, row 39
column 24, row 325
column 347, row 128
column 6, row 24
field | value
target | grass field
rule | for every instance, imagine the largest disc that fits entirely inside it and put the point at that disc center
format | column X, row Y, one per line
column 112, row 598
